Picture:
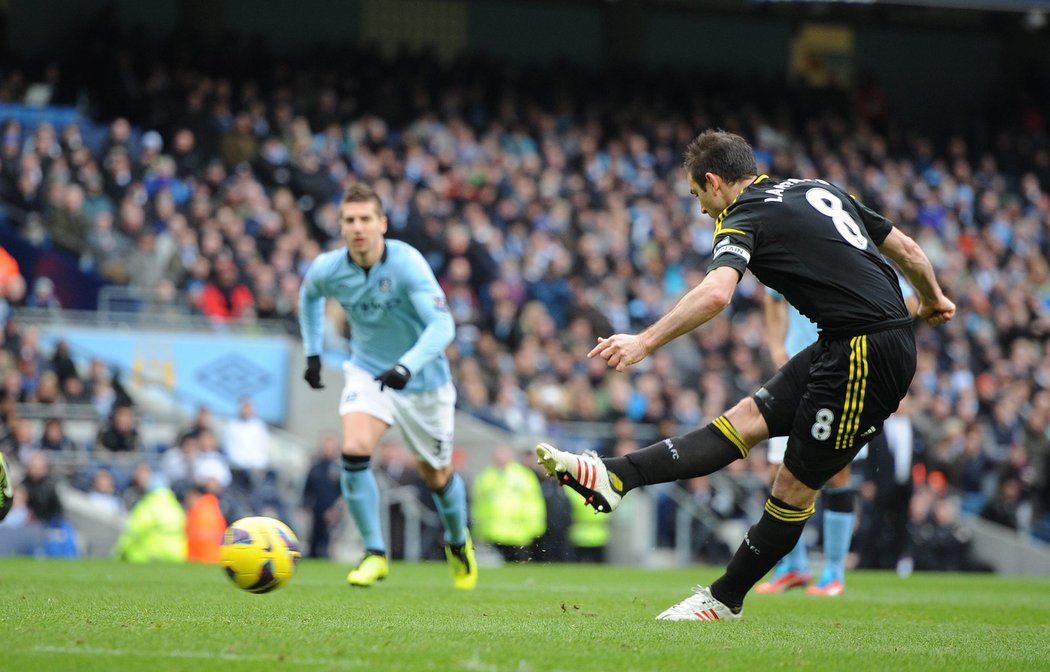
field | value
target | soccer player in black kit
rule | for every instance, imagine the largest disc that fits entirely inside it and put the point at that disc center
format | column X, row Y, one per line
column 822, row 250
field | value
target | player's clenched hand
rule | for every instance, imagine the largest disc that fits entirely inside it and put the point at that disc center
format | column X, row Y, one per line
column 313, row 372
column 938, row 312
column 395, row 378
column 620, row 350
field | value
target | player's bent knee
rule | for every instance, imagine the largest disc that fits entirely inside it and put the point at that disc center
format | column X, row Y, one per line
column 435, row 479
column 748, row 421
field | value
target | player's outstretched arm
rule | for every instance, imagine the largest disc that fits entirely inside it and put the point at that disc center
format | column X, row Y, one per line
column 699, row 305
column 934, row 306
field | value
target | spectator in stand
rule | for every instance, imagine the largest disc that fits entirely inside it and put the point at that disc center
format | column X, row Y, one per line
column 70, row 224
column 47, row 390
column 53, row 437
column 43, row 295
column 246, row 445
column 322, row 496
column 939, row 542
column 202, row 421
column 103, row 494
column 120, row 434
column 62, row 363
column 208, row 461
column 23, row 445
column 137, row 487
column 225, row 298
column 41, row 494
column 1005, row 507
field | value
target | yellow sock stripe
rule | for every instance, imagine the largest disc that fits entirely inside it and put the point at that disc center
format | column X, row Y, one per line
column 729, row 431
column 847, row 403
column 789, row 515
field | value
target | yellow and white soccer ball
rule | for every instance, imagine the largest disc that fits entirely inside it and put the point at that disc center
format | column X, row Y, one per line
column 260, row 554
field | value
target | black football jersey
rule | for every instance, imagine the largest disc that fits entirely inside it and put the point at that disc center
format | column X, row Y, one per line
column 816, row 245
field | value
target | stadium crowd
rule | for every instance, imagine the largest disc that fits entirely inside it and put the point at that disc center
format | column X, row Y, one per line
column 551, row 217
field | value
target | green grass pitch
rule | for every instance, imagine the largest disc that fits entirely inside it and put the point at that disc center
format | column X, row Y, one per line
column 106, row 616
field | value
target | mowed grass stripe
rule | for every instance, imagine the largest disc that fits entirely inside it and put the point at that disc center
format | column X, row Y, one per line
column 103, row 615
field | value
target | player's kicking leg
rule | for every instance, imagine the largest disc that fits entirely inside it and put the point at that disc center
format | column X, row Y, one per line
column 604, row 482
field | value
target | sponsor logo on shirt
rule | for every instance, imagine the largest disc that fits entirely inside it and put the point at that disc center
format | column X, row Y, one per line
column 367, row 307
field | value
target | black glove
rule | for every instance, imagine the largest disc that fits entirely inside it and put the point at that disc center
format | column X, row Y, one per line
column 313, row 372
column 395, row 378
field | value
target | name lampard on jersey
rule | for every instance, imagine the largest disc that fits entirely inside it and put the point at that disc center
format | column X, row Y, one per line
column 777, row 191
column 372, row 306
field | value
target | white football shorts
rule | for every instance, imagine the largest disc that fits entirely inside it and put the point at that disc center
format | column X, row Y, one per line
column 776, row 447
column 426, row 419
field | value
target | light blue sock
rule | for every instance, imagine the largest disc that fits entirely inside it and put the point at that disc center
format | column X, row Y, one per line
column 361, row 493
column 838, row 530
column 797, row 558
column 452, row 509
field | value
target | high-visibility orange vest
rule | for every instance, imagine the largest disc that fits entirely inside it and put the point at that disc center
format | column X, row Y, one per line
column 205, row 526
column 8, row 267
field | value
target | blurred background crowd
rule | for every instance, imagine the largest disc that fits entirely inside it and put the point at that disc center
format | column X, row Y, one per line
column 209, row 179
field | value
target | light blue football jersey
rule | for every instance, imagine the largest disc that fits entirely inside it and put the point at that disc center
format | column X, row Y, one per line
column 396, row 310
column 802, row 331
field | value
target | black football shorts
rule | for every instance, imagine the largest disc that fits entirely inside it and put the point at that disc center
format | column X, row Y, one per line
column 832, row 398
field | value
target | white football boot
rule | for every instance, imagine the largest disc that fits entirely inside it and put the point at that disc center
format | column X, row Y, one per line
column 586, row 474
column 700, row 606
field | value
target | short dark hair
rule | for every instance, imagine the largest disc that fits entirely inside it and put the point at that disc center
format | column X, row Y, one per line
column 359, row 192
column 725, row 154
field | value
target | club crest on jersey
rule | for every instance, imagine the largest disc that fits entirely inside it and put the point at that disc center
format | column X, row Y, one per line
column 385, row 285
column 440, row 304
column 727, row 245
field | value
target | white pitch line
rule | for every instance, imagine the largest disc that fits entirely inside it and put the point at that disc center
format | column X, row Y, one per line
column 221, row 655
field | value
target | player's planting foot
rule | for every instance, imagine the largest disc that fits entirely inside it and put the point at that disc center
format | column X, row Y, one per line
column 783, row 582
column 374, row 567
column 464, row 567
column 700, row 606
column 586, row 474
column 827, row 588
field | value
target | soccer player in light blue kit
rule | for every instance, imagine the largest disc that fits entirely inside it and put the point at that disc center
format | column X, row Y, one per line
column 790, row 332
column 397, row 373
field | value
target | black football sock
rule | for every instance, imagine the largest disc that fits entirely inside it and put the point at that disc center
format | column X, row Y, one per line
column 764, row 545
column 698, row 453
